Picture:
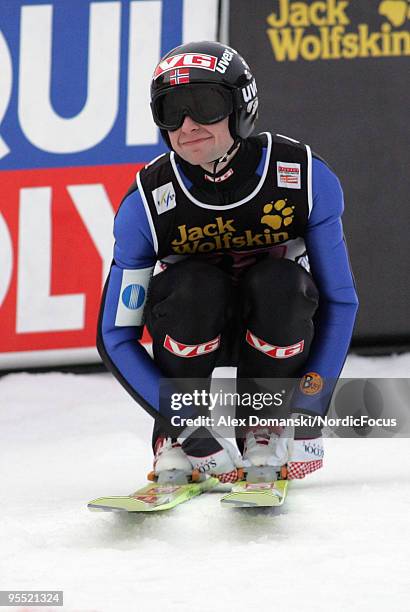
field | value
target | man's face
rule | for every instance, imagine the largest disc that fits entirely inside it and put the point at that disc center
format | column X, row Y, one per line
column 200, row 144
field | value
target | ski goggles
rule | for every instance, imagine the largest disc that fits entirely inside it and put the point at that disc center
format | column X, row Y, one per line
column 204, row 103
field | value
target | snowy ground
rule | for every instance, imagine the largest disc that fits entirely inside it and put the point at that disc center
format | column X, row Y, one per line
column 340, row 543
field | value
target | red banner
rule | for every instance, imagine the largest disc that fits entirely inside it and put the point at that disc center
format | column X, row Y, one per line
column 57, row 248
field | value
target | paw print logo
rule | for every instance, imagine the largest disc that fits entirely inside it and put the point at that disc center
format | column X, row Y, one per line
column 396, row 11
column 278, row 214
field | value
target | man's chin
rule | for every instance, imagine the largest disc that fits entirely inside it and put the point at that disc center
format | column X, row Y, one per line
column 196, row 160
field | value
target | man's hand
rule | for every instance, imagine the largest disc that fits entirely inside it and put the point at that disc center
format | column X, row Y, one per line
column 211, row 454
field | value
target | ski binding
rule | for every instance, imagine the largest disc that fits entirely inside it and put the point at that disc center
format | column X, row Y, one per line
column 171, row 489
column 264, row 487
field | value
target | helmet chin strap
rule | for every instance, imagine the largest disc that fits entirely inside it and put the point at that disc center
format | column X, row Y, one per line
column 224, row 157
column 221, row 160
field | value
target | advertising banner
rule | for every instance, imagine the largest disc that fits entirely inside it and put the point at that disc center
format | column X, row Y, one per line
column 334, row 74
column 75, row 126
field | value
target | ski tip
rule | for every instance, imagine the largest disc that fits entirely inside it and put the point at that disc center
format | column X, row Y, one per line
column 97, row 508
column 236, row 504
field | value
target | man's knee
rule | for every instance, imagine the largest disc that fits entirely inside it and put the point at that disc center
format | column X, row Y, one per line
column 190, row 283
column 190, row 291
column 278, row 287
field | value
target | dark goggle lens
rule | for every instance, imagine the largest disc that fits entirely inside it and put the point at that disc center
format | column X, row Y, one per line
column 204, row 104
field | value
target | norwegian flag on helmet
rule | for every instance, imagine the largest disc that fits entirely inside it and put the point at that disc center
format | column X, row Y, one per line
column 179, row 76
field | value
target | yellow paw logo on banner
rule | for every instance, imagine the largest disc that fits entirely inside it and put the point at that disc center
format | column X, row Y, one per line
column 396, row 11
column 283, row 218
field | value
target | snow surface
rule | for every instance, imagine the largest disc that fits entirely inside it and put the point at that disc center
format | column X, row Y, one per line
column 341, row 542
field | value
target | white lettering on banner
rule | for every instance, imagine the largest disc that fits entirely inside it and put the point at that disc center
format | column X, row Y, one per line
column 39, row 122
column 96, row 212
column 6, row 82
column 6, row 259
column 143, row 53
column 198, row 20
column 37, row 310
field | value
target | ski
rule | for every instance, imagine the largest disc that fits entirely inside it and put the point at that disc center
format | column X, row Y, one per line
column 154, row 496
column 250, row 495
column 262, row 488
